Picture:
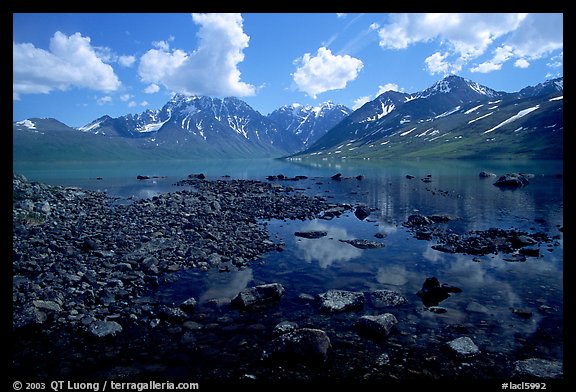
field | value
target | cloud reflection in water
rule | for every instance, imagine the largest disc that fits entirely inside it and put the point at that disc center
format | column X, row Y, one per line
column 328, row 249
column 235, row 281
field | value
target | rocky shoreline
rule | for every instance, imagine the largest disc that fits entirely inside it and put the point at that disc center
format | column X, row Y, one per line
column 78, row 259
column 85, row 270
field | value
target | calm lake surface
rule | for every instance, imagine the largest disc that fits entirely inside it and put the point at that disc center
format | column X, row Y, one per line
column 491, row 286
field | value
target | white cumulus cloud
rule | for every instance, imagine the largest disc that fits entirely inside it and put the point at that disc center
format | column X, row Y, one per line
column 211, row 69
column 325, row 71
column 126, row 61
column 358, row 103
column 521, row 63
column 501, row 55
column 437, row 63
column 387, row 87
column 104, row 100
column 538, row 35
column 467, row 36
column 151, row 89
column 71, row 61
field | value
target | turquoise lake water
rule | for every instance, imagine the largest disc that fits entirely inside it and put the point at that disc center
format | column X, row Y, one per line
column 491, row 286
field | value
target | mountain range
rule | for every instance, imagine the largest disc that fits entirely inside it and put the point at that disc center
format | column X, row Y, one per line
column 454, row 118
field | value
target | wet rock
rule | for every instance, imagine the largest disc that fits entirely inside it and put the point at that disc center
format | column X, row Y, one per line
column 188, row 305
column 382, row 360
column 485, row 174
column 337, row 177
column 333, row 301
column 417, row 220
column 362, row 212
column 333, row 212
column 440, row 218
column 523, row 313
column 511, row 180
column 376, row 327
column 386, row 298
column 540, row 368
column 284, row 327
column 530, row 251
column 432, row 293
column 102, row 329
column 437, row 309
column 311, row 234
column 514, row 258
column 305, row 297
column 301, row 345
column 463, row 347
column 175, row 315
column 49, row 306
column 423, row 234
column 28, row 316
column 258, row 296
column 364, row 244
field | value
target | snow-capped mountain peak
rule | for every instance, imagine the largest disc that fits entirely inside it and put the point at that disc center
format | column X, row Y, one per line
column 457, row 85
column 309, row 122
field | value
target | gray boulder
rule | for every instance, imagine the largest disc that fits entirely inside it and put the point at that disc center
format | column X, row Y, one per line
column 258, row 296
column 302, row 345
column 463, row 347
column 536, row 367
column 512, row 180
column 333, row 301
column 386, row 298
column 377, row 327
column 102, row 329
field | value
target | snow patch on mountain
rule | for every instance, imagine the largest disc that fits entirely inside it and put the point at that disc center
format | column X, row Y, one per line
column 407, row 132
column 520, row 114
column 481, row 117
column 153, row 127
column 239, row 125
column 473, row 109
column 449, row 112
column 27, row 123
column 90, row 127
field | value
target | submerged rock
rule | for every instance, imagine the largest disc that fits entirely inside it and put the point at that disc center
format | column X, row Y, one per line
column 386, row 298
column 376, row 327
column 311, row 234
column 258, row 296
column 301, row 345
column 364, row 244
column 541, row 368
column 463, row 347
column 362, row 212
column 102, row 329
column 284, row 327
column 333, row 301
column 512, row 180
column 432, row 293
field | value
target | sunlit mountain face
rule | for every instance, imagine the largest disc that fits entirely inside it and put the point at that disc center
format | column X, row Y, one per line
column 454, row 118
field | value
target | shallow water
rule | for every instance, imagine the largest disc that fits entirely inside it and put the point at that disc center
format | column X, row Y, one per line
column 491, row 286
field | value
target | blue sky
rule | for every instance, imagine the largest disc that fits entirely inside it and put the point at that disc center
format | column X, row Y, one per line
column 77, row 67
